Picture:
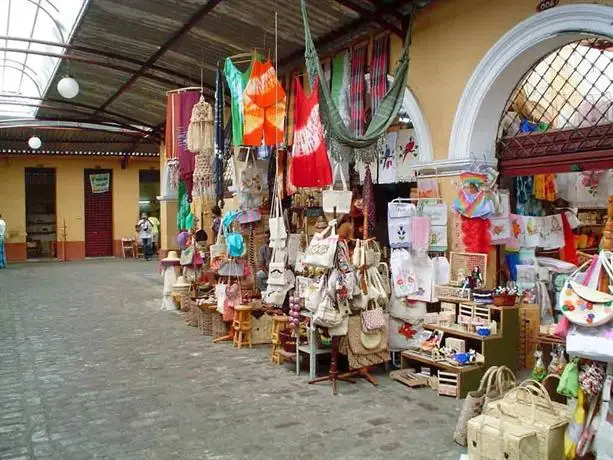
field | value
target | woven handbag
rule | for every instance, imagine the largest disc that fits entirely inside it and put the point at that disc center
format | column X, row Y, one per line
column 491, row 438
column 373, row 318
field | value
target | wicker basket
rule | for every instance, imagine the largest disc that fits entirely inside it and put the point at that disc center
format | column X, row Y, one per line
column 261, row 329
column 206, row 320
column 219, row 327
column 489, row 438
column 505, row 300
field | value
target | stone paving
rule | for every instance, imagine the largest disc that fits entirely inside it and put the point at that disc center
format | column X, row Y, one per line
column 91, row 368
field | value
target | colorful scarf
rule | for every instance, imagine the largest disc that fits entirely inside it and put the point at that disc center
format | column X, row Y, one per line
column 340, row 85
column 356, row 89
column 378, row 71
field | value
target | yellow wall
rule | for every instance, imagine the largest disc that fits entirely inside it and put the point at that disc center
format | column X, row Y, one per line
column 450, row 37
column 70, row 193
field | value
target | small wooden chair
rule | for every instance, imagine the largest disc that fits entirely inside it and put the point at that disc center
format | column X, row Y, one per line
column 127, row 248
column 279, row 323
column 241, row 325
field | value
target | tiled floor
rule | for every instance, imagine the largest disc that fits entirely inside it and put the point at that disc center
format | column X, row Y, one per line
column 91, row 368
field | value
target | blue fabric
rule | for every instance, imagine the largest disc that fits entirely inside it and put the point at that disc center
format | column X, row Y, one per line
column 2, row 254
column 512, row 260
column 236, row 244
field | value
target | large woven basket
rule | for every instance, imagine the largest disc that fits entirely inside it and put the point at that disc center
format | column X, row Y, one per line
column 261, row 329
column 492, row 438
column 206, row 320
column 219, row 327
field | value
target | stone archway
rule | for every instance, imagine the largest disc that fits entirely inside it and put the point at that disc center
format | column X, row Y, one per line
column 480, row 108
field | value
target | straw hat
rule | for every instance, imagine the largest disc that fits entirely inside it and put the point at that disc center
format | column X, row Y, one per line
column 181, row 285
column 171, row 257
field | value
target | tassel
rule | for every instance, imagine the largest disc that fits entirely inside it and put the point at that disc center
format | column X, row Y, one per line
column 201, row 131
column 173, row 175
column 204, row 183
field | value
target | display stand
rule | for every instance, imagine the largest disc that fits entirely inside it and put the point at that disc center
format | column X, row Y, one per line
column 363, row 372
column 333, row 374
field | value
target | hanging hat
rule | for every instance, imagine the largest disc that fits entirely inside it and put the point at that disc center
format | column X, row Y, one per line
column 370, row 340
column 321, row 223
column 171, row 257
column 181, row 285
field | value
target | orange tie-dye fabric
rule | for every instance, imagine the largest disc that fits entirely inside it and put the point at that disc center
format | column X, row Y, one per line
column 264, row 105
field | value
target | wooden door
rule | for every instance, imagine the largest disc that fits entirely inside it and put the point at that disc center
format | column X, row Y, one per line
column 98, row 212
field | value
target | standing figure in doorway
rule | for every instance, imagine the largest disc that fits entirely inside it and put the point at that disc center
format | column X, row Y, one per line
column 155, row 227
column 145, row 233
column 2, row 235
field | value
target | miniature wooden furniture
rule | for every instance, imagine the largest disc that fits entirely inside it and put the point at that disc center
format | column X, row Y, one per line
column 494, row 348
column 310, row 348
column 241, row 325
column 128, row 248
column 279, row 323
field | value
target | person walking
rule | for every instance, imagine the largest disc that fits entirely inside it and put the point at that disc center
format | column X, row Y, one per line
column 155, row 226
column 145, row 233
column 2, row 236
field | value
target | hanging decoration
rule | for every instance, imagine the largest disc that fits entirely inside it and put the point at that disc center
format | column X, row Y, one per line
column 180, row 104
column 68, row 87
column 34, row 142
column 200, row 130
column 357, row 89
column 219, row 137
column 378, row 71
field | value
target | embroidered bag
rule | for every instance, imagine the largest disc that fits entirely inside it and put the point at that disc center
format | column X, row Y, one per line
column 219, row 250
column 339, row 200
column 403, row 274
column 314, row 292
column 276, row 268
column 250, row 185
column 276, row 222
column 322, row 248
column 399, row 223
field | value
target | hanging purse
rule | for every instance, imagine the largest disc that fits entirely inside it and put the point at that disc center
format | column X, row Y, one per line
column 372, row 253
column 326, row 315
column 276, row 223
column 339, row 200
column 314, row 293
column 219, row 250
column 357, row 259
column 322, row 249
column 384, row 273
column 276, row 268
column 399, row 223
column 250, row 184
column 582, row 303
column 373, row 318
column 403, row 274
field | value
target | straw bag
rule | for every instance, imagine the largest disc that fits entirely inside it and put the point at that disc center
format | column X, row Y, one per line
column 494, row 383
column 490, row 438
column 322, row 249
column 337, row 200
column 522, row 406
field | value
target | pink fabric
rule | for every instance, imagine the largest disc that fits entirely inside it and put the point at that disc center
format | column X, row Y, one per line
column 421, row 233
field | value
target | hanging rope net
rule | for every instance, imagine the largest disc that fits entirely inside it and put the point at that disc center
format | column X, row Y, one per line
column 339, row 135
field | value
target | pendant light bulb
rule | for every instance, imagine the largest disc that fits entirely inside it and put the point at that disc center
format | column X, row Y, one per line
column 68, row 87
column 34, row 142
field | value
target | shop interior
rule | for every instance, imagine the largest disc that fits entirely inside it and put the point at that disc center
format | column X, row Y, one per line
column 41, row 218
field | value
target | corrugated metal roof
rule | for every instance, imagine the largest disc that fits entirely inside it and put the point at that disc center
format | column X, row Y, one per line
column 136, row 29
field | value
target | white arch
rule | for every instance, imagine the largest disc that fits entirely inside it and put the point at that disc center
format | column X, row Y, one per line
column 423, row 137
column 480, row 108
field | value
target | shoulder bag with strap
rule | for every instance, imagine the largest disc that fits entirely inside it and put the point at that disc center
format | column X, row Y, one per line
column 339, row 200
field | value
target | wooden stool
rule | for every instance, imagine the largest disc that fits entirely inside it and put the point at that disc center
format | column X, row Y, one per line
column 279, row 323
column 242, row 325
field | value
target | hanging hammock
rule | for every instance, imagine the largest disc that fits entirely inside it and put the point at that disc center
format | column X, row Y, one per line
column 388, row 107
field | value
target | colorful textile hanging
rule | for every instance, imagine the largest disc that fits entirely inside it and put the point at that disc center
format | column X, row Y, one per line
column 237, row 82
column 219, row 137
column 545, row 187
column 337, row 131
column 180, row 105
column 378, row 71
column 264, row 102
column 340, row 85
column 476, row 234
column 310, row 166
column 357, row 89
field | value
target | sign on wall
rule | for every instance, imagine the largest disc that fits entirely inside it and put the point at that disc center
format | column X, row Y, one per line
column 100, row 183
column 546, row 4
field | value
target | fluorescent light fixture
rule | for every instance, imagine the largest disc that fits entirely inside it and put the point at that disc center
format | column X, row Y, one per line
column 144, row 202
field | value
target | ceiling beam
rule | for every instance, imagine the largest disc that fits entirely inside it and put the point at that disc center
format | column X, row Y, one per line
column 197, row 17
column 372, row 15
column 104, row 64
column 73, row 104
column 96, row 52
column 97, row 118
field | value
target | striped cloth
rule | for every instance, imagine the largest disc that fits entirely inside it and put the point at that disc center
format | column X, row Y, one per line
column 378, row 71
column 356, row 89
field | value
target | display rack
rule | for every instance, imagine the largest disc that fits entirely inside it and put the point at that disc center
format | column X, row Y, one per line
column 494, row 348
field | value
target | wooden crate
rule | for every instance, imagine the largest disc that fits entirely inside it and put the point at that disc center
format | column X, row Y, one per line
column 447, row 384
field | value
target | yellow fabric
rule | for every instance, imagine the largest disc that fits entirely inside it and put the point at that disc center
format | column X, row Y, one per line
column 575, row 428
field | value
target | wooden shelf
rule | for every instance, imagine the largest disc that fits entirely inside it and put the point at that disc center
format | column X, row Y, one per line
column 461, row 332
column 457, row 300
column 445, row 365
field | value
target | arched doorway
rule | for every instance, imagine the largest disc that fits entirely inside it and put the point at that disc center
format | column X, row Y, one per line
column 475, row 127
